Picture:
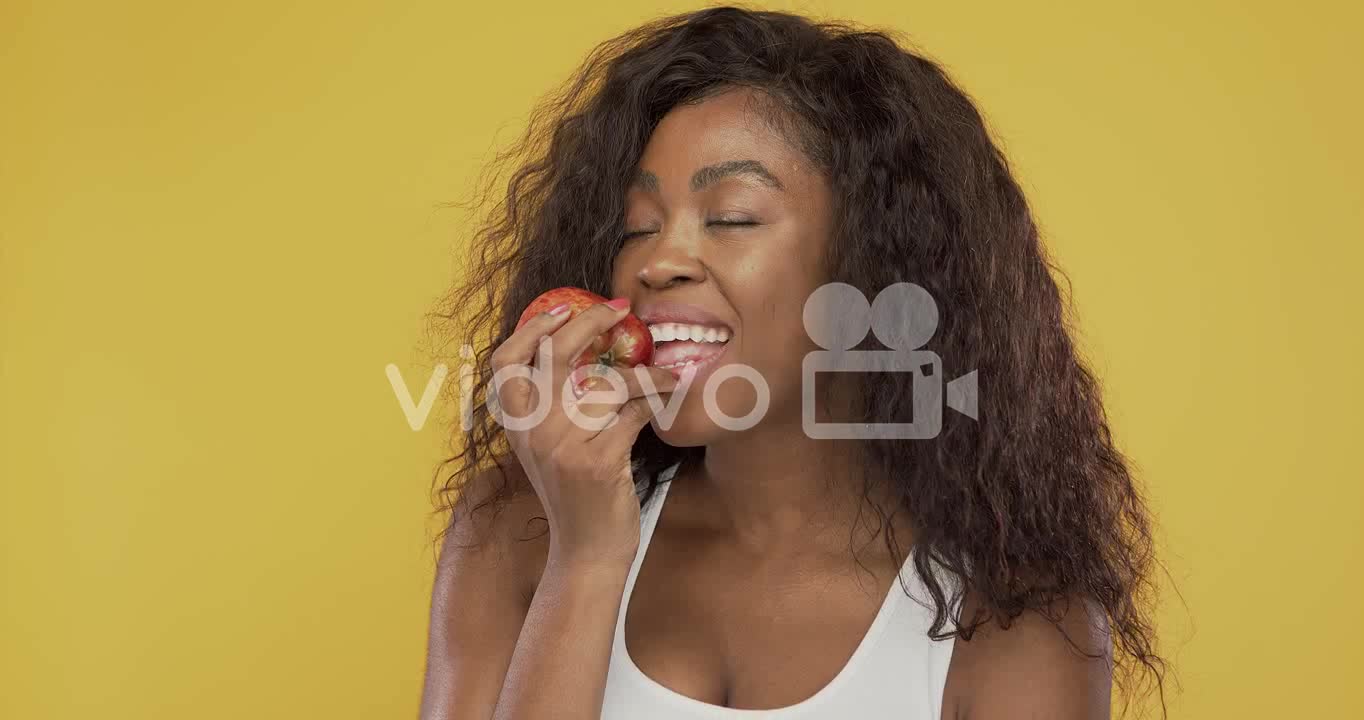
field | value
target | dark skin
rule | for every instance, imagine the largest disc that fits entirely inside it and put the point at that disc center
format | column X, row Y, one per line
column 756, row 531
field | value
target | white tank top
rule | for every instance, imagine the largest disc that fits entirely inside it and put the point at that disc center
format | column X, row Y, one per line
column 897, row 671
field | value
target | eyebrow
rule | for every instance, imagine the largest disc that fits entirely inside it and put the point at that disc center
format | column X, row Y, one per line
column 648, row 181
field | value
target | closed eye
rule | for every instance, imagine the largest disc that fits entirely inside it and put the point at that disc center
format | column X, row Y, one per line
column 632, row 234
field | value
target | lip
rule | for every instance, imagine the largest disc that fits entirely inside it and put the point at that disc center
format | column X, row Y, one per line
column 670, row 312
column 675, row 312
column 703, row 367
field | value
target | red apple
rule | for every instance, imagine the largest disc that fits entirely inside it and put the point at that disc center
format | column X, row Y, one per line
column 626, row 345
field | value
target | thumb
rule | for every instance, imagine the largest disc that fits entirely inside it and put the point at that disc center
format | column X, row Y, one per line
column 631, row 417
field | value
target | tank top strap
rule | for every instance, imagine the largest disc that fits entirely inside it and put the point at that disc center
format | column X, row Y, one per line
column 654, row 507
column 648, row 520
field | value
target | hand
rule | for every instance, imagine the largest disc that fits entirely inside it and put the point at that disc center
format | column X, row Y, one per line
column 576, row 450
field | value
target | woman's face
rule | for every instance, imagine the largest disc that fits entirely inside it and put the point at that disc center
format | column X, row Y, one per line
column 726, row 225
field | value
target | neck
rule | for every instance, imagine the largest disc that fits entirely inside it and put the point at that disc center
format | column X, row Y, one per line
column 775, row 486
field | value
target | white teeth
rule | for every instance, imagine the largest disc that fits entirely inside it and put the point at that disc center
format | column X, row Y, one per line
column 683, row 363
column 667, row 332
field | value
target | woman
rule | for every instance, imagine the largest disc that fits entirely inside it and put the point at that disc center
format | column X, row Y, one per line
column 711, row 172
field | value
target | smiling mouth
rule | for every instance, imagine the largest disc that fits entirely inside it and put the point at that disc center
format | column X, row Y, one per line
column 677, row 345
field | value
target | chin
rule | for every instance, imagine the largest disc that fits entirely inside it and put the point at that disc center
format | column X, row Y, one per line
column 693, row 426
column 688, row 429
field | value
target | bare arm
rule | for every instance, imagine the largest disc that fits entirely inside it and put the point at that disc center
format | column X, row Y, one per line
column 559, row 667
column 1032, row 670
column 490, row 655
column 478, row 605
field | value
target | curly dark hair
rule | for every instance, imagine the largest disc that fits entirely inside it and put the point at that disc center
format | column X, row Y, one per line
column 1028, row 506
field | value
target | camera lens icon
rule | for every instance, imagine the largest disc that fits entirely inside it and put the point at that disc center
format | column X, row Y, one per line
column 904, row 317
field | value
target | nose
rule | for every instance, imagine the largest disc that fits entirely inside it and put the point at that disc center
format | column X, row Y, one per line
column 673, row 260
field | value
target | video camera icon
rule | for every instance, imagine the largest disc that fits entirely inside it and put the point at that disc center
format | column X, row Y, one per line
column 904, row 317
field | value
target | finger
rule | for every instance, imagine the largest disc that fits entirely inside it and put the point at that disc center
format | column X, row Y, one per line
column 512, row 384
column 605, row 391
column 550, row 351
column 638, row 380
column 619, row 436
column 531, row 400
column 570, row 340
column 591, row 400
column 520, row 347
column 632, row 415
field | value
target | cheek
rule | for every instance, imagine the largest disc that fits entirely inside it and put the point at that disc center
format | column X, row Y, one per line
column 774, row 347
column 623, row 272
column 775, row 281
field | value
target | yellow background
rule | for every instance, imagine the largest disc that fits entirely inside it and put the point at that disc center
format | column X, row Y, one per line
column 219, row 223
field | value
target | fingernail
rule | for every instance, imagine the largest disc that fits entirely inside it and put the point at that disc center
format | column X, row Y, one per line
column 559, row 309
column 619, row 303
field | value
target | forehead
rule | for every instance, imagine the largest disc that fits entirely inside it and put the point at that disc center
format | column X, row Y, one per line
column 732, row 125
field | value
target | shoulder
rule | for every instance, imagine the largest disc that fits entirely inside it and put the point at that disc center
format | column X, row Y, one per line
column 498, row 528
column 1054, row 663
